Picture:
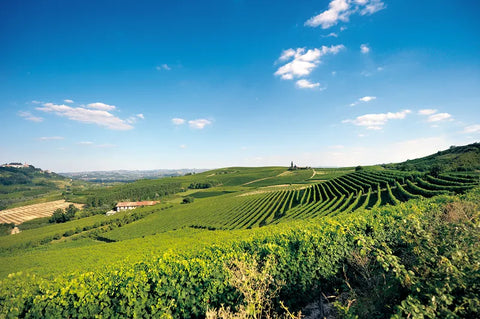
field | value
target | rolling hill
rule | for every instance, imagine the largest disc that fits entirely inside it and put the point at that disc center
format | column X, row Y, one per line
column 378, row 239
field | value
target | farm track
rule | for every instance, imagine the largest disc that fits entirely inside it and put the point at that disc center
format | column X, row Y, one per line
column 19, row 215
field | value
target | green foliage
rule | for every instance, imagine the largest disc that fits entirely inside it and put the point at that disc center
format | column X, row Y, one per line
column 6, row 228
column 419, row 259
column 456, row 158
column 137, row 191
column 188, row 200
column 203, row 185
column 61, row 216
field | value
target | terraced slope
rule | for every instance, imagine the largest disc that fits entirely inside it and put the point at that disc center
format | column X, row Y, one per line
column 264, row 206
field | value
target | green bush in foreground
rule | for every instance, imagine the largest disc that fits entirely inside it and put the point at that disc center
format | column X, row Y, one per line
column 417, row 259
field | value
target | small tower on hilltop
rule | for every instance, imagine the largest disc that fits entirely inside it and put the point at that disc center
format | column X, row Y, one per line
column 291, row 165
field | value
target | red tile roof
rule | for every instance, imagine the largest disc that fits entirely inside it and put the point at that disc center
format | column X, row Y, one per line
column 136, row 204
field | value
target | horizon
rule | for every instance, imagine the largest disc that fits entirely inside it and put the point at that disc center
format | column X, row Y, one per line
column 136, row 86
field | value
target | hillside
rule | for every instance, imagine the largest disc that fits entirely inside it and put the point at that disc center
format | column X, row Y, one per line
column 344, row 236
column 19, row 185
column 456, row 158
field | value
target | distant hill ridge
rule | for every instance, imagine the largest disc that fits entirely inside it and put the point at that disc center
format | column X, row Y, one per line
column 17, row 173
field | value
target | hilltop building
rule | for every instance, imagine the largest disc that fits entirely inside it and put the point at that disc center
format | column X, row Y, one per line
column 132, row 205
column 16, row 165
column 295, row 167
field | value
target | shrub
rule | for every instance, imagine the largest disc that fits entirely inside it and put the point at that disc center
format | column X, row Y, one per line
column 188, row 200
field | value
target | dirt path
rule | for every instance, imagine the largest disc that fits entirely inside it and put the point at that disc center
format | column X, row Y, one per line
column 257, row 180
column 314, row 173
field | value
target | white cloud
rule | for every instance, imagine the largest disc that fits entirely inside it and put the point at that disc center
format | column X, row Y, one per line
column 305, row 84
column 134, row 119
column 29, row 116
column 331, row 34
column 303, row 62
column 50, row 138
column 85, row 143
column 427, row 111
column 68, row 101
column 178, row 121
column 472, row 129
column 199, row 123
column 372, row 7
column 340, row 10
column 101, row 106
column 36, row 102
column 377, row 121
column 367, row 98
column 364, row 99
column 364, row 48
column 183, row 146
column 80, row 114
column 337, row 10
column 439, row 117
column 163, row 67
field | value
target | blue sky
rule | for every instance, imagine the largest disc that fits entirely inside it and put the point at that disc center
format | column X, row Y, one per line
column 97, row 85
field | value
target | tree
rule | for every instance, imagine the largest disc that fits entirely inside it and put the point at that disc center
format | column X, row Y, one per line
column 358, row 168
column 70, row 211
column 187, row 200
column 436, row 170
column 58, row 216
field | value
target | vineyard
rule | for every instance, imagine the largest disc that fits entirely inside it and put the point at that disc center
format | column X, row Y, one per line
column 361, row 239
column 337, row 196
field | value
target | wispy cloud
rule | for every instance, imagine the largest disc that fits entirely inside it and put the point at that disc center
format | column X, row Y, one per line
column 92, row 144
column 433, row 116
column 29, row 116
column 178, row 121
column 68, row 101
column 84, row 115
column 303, row 61
column 199, row 123
column 427, row 111
column 364, row 48
column 162, row 67
column 36, row 102
column 51, row 138
column 439, row 117
column 331, row 34
column 364, row 99
column 101, row 106
column 340, row 10
column 471, row 129
column 183, row 146
column 377, row 121
column 134, row 119
column 305, row 84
